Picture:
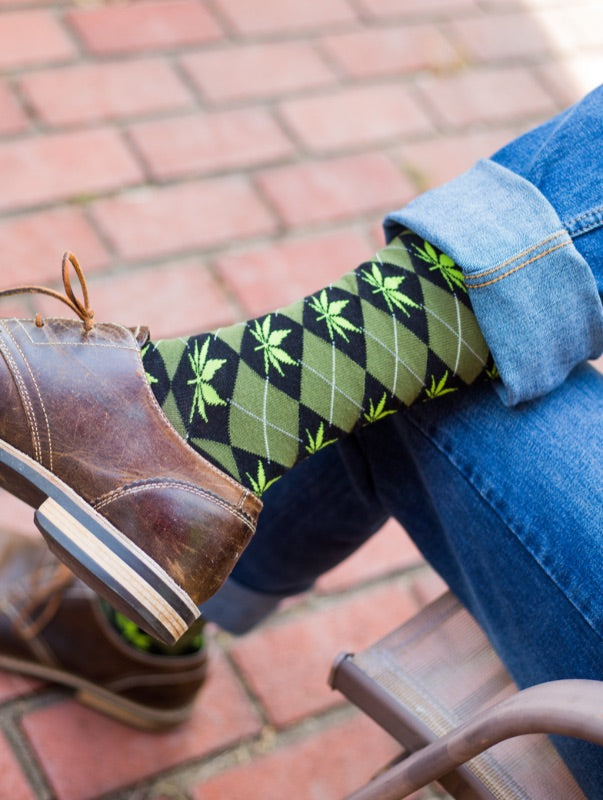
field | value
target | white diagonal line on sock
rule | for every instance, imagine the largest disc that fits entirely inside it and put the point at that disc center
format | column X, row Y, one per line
column 268, row 423
column 451, row 329
column 391, row 352
column 330, row 383
column 265, row 420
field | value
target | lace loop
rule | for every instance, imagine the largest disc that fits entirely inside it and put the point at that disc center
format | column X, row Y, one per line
column 82, row 309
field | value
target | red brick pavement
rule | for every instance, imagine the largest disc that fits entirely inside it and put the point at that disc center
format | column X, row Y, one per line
column 210, row 159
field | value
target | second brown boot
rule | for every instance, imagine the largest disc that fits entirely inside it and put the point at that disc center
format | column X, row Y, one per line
column 52, row 627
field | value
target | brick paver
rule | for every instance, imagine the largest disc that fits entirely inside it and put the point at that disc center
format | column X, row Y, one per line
column 492, row 95
column 146, row 25
column 197, row 144
column 14, row 782
column 32, row 37
column 151, row 223
column 65, row 166
column 267, row 277
column 249, row 72
column 323, row 123
column 334, row 189
column 86, row 93
column 35, row 242
column 285, row 16
column 394, row 50
column 209, row 160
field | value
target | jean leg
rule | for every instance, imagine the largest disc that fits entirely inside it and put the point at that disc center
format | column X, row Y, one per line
column 314, row 517
column 507, row 504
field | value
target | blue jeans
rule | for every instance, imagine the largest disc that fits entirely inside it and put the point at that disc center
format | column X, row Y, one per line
column 506, row 503
column 526, row 226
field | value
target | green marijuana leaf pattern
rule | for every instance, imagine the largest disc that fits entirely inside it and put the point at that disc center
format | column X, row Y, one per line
column 446, row 266
column 378, row 411
column 440, row 389
column 388, row 288
column 204, row 370
column 269, row 342
column 493, row 372
column 330, row 312
column 316, row 443
column 259, row 484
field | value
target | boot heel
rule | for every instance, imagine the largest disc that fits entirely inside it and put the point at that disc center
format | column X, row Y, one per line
column 116, row 568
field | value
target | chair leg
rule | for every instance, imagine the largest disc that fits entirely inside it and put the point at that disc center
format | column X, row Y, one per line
column 568, row 708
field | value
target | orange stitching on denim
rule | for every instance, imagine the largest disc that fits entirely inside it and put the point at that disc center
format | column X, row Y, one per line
column 518, row 267
column 520, row 255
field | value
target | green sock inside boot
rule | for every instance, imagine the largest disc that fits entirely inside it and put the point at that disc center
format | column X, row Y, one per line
column 191, row 642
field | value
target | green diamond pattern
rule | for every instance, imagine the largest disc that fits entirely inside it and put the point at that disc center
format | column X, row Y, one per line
column 332, row 384
column 263, row 420
column 454, row 335
column 394, row 331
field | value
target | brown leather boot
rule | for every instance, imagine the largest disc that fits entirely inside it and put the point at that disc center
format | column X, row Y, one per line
column 121, row 498
column 52, row 627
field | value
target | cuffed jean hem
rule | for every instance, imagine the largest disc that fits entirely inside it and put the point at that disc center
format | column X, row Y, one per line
column 237, row 609
column 533, row 293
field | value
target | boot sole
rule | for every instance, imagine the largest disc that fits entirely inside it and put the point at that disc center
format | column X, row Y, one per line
column 103, row 700
column 103, row 557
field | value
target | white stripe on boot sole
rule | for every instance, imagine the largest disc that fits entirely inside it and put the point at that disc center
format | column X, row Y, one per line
column 100, row 554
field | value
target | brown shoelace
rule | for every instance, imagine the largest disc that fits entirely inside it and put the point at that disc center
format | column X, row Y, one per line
column 79, row 307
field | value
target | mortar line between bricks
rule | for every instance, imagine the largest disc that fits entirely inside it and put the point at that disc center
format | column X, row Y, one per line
column 264, row 744
column 11, row 716
column 225, row 288
column 69, row 31
column 223, row 21
column 126, row 137
column 252, row 696
column 201, row 102
column 420, row 17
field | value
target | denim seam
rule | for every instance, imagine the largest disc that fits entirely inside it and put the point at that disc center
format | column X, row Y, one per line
column 471, row 282
column 573, row 224
column 416, row 423
column 587, row 213
column 524, row 252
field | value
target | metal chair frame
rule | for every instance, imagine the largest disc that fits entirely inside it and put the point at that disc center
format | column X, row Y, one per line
column 567, row 707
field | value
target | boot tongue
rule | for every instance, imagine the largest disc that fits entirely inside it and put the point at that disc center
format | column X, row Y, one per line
column 142, row 335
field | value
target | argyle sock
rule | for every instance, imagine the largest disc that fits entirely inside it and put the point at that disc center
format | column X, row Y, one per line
column 257, row 397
